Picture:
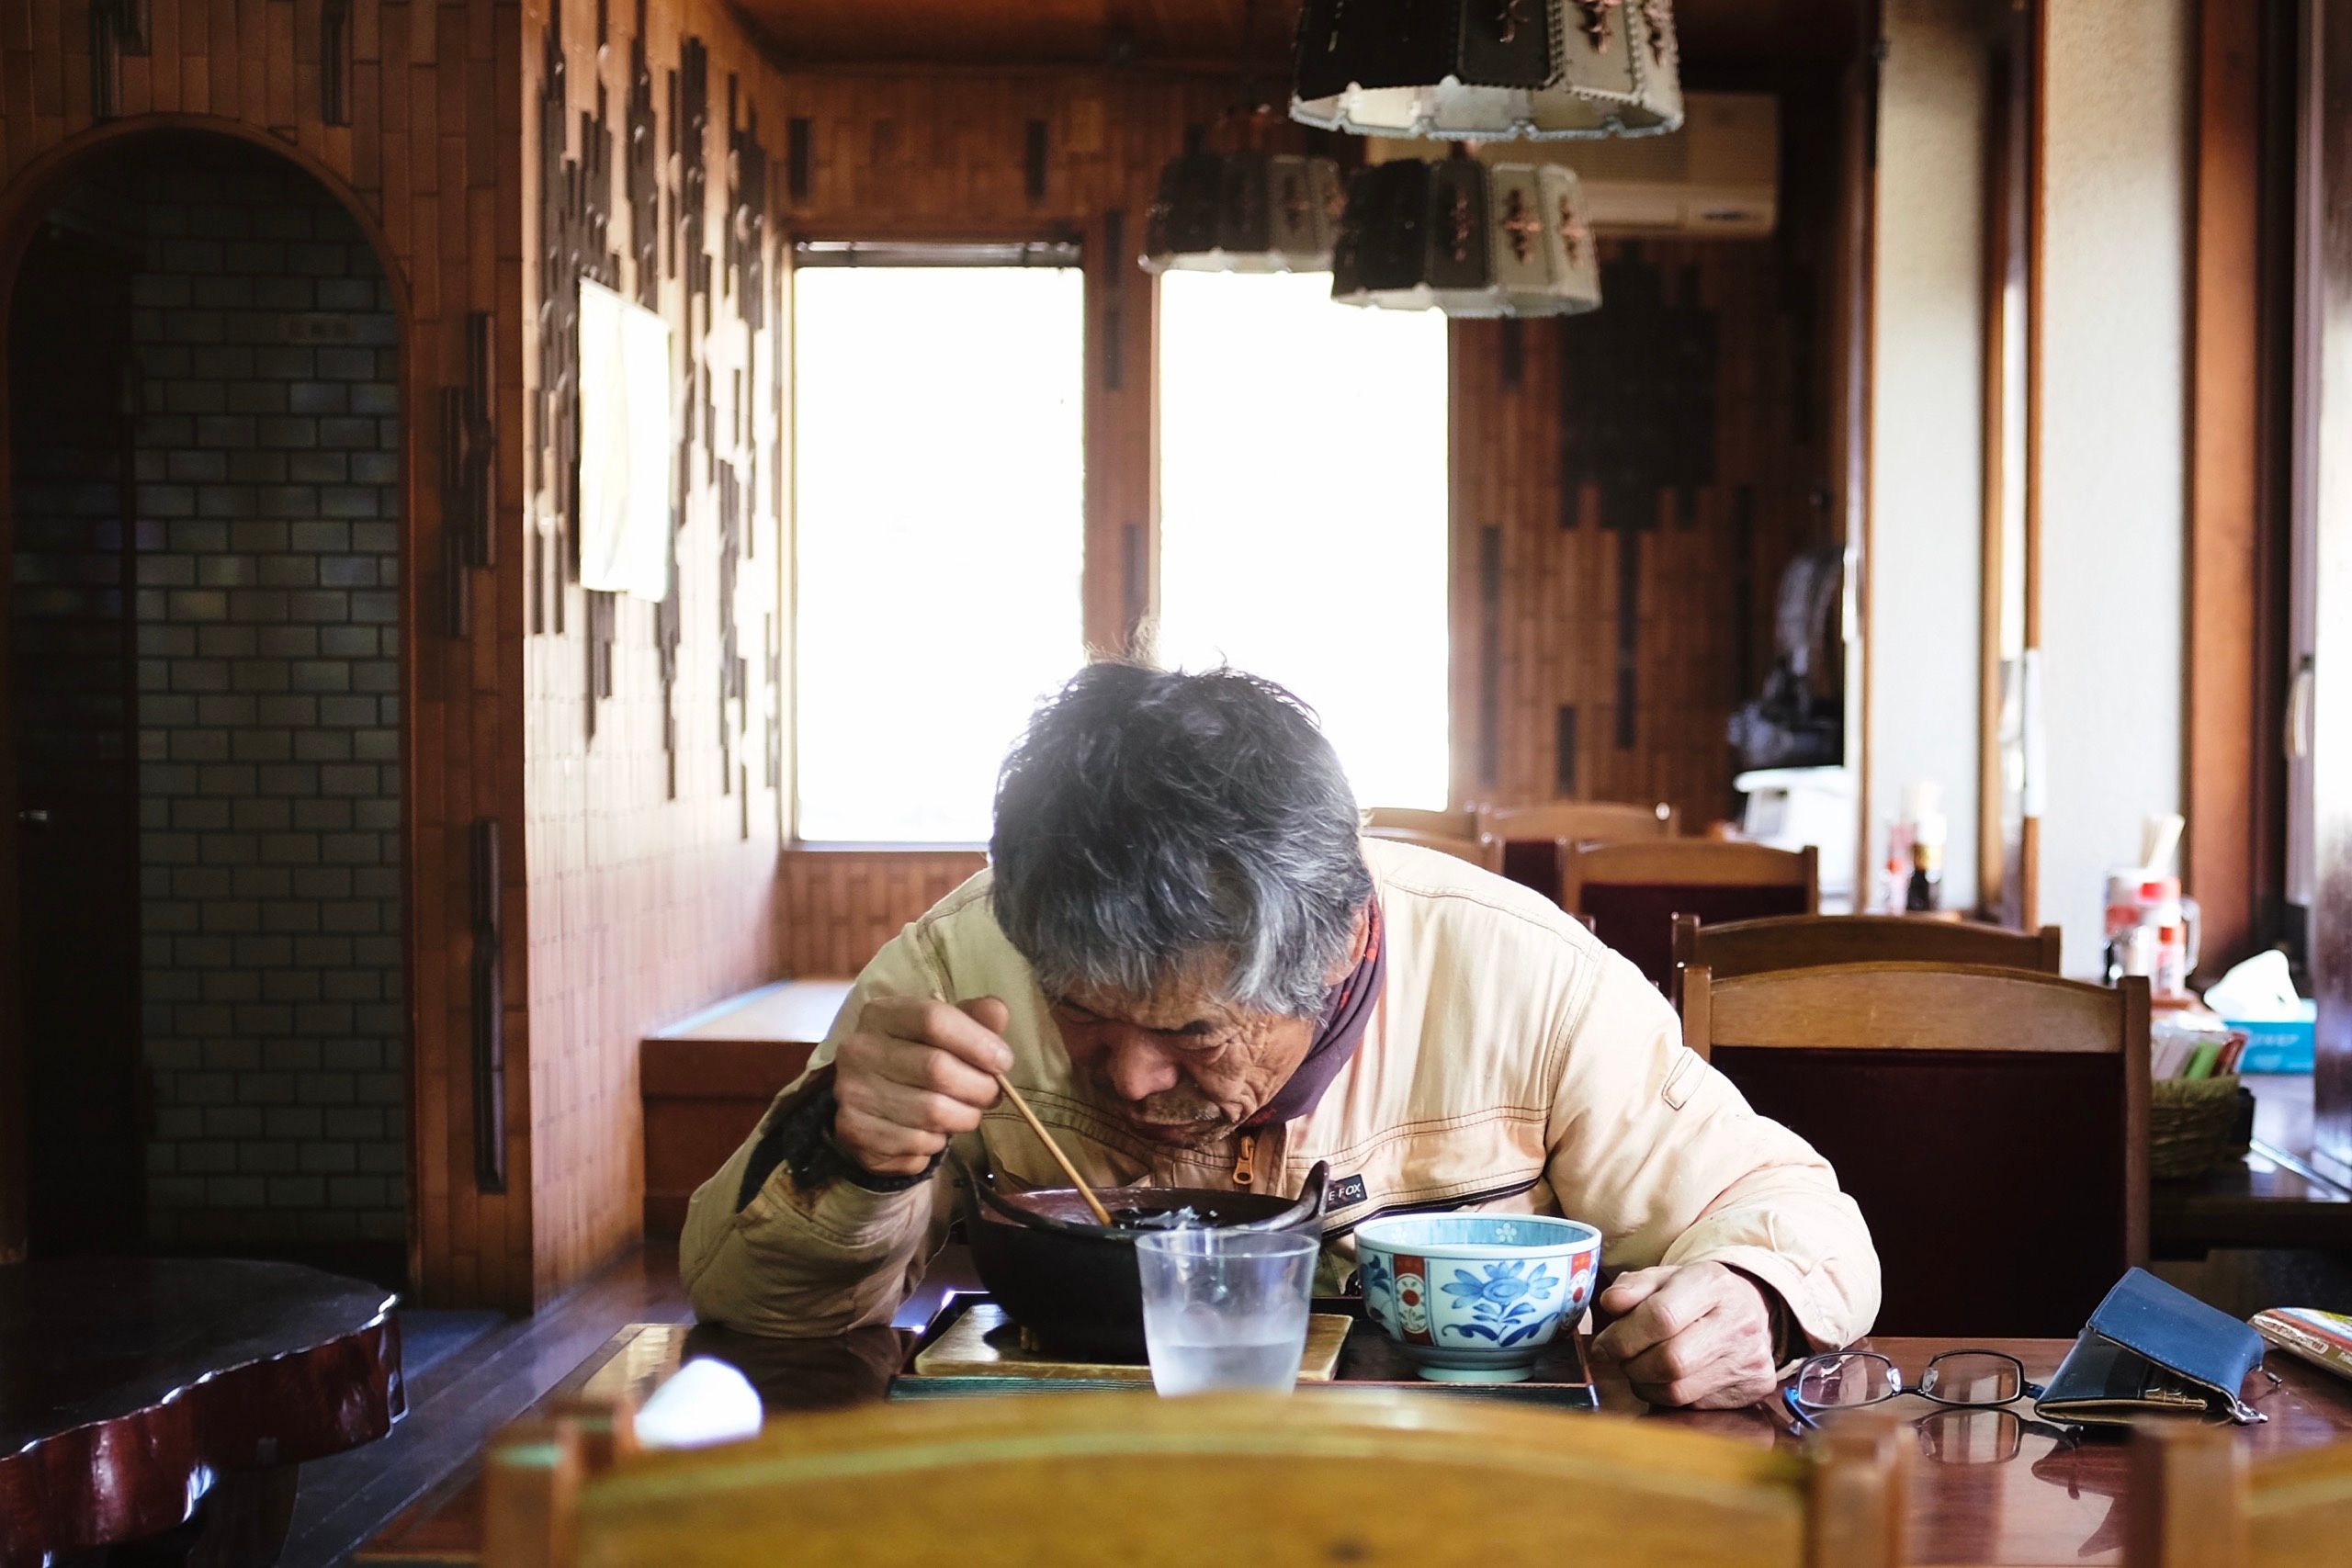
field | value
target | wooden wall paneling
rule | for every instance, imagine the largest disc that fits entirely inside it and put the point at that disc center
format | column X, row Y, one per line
column 652, row 846
column 2226, row 723
column 842, row 906
column 238, row 67
column 1628, row 569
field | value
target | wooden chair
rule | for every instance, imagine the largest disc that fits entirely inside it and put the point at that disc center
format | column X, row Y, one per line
column 1482, row 852
column 1536, row 838
column 2198, row 1500
column 1795, row 941
column 1082, row 1479
column 1633, row 891
column 1992, row 1124
column 1579, row 821
column 1382, row 820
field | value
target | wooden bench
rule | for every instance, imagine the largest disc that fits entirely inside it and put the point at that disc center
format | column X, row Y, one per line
column 706, row 1081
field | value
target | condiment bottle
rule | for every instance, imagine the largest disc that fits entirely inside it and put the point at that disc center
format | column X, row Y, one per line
column 1926, row 889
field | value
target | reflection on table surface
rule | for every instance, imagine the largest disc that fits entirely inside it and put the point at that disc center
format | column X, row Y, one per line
column 1988, row 1487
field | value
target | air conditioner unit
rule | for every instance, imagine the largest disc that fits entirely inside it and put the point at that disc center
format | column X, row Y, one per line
column 1718, row 175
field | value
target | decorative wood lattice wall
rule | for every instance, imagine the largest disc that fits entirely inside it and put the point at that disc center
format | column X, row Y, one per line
column 1629, row 485
column 653, row 850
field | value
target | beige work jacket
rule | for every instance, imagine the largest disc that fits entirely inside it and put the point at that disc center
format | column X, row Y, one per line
column 1514, row 1065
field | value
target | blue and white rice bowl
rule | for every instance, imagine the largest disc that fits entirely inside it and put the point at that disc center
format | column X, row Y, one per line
column 1474, row 1298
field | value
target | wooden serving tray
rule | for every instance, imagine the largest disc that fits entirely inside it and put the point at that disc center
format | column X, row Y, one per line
column 980, row 1348
column 944, row 1362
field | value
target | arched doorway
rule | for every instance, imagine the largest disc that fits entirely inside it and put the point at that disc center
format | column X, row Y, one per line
column 204, row 714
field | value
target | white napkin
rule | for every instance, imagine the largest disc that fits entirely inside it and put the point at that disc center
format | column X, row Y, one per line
column 2259, row 989
column 707, row 1402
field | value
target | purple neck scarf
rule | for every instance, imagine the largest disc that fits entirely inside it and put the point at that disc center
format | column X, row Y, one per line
column 1347, row 1013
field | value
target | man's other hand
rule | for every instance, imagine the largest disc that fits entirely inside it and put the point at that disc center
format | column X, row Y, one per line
column 914, row 1074
column 1695, row 1334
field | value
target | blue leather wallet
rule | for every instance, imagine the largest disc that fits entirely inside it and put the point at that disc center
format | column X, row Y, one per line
column 2150, row 1349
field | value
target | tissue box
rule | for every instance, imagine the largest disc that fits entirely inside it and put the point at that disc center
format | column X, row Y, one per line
column 2277, row 1045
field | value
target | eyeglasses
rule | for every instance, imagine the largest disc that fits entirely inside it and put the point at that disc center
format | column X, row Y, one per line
column 1849, row 1379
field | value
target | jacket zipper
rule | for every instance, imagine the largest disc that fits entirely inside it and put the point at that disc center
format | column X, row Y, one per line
column 1245, row 1164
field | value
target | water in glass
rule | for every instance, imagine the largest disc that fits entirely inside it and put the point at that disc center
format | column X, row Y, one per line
column 1224, row 1309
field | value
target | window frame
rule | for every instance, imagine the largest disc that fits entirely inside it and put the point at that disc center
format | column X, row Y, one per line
column 887, row 234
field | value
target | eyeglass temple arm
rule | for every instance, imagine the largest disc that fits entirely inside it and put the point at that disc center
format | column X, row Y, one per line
column 1795, row 1407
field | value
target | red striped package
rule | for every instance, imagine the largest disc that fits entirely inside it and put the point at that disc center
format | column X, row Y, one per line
column 2323, row 1338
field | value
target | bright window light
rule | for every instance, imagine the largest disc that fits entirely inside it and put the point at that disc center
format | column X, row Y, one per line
column 1303, row 510
column 940, row 492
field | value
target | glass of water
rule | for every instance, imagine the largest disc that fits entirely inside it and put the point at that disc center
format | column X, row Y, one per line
column 1224, row 1309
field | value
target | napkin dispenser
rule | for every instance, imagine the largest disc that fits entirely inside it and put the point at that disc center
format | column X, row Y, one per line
column 2152, row 1349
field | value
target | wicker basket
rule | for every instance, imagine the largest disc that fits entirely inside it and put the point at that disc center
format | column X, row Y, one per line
column 2189, row 1124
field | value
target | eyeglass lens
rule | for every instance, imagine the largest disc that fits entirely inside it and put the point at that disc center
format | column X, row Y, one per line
column 1830, row 1382
column 1973, row 1377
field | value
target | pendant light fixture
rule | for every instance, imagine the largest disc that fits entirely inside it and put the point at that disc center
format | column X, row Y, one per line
column 1487, row 70
column 1468, row 239
column 1247, row 210
column 1243, row 212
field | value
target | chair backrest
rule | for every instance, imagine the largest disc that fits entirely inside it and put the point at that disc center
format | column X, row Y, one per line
column 1633, row 891
column 1992, row 1123
column 1793, row 942
column 1484, row 853
column 1384, row 820
column 1089, row 1478
column 1579, row 821
column 1536, row 838
column 2198, row 1500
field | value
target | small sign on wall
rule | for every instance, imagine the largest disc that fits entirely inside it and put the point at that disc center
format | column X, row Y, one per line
column 627, row 448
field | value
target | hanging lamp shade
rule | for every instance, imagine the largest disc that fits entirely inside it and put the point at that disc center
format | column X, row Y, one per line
column 1467, row 239
column 1487, row 70
column 1243, row 212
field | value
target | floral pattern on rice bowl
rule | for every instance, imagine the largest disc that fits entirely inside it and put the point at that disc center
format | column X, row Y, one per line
column 1474, row 1297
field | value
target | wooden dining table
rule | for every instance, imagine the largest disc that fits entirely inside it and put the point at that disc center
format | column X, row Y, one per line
column 170, row 1403
column 1988, row 1487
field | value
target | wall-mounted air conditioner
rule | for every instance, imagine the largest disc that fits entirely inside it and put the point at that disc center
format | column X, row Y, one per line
column 1718, row 175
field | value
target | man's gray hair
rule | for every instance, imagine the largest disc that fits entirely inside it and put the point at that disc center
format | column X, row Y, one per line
column 1153, row 827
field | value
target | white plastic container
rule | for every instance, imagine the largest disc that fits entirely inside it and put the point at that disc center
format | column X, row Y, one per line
column 1790, row 808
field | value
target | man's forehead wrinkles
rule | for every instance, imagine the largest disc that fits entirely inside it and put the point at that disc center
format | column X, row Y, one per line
column 1169, row 1014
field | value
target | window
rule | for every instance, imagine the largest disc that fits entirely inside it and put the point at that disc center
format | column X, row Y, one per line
column 1304, row 511
column 939, row 484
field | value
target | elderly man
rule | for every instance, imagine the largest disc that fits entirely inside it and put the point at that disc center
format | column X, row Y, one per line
column 1199, row 974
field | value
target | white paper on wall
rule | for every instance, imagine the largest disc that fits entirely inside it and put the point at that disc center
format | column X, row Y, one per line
column 626, row 446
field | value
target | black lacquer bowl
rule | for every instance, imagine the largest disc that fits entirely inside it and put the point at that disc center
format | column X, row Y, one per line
column 1070, row 1284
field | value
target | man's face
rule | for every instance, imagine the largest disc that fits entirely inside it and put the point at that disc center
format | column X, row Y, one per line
column 1179, row 1067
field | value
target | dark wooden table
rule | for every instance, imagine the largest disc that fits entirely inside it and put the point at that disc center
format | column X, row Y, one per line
column 159, row 1398
column 1989, row 1489
column 2282, row 1194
